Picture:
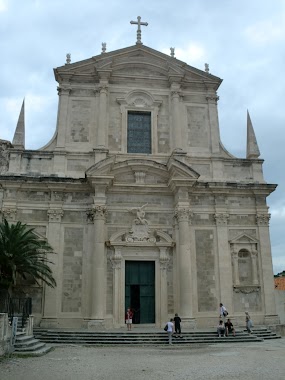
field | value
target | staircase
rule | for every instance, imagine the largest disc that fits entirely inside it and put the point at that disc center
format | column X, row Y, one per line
column 28, row 345
column 145, row 338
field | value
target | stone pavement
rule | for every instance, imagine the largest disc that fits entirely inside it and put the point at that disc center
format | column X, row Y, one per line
column 243, row 361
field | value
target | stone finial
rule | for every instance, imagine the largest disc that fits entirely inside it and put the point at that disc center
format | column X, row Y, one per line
column 207, row 69
column 68, row 58
column 103, row 47
column 172, row 52
column 252, row 150
column 19, row 136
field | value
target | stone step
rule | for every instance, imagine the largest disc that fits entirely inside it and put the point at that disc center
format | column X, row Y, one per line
column 138, row 338
column 29, row 345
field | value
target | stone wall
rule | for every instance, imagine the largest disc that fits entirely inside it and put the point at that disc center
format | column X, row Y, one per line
column 206, row 271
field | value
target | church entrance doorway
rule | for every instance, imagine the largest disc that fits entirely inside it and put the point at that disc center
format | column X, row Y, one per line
column 140, row 290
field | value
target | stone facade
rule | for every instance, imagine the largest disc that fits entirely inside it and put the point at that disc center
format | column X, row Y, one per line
column 190, row 207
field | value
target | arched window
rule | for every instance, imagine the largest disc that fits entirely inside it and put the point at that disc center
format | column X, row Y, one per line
column 244, row 267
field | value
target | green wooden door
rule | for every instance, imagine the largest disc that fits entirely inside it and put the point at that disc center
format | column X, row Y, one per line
column 140, row 290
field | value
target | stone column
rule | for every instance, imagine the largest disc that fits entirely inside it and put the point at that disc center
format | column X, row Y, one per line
column 52, row 296
column 214, row 122
column 176, row 124
column 102, row 127
column 98, row 264
column 116, row 261
column 262, row 221
column 63, row 93
column 225, row 264
column 163, row 260
column 184, row 262
column 254, row 256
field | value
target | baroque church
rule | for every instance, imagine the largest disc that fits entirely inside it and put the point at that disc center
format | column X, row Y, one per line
column 141, row 202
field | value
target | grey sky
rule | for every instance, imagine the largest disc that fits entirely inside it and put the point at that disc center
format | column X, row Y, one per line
column 242, row 40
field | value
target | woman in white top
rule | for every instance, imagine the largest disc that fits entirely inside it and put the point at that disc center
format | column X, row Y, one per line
column 170, row 330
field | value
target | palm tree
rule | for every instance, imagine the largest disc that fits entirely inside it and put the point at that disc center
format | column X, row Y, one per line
column 23, row 254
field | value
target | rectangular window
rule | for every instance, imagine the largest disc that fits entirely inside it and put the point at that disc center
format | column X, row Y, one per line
column 139, row 132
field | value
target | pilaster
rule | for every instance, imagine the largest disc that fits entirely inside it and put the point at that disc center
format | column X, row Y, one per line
column 52, row 296
column 262, row 221
column 212, row 99
column 224, row 257
column 184, row 260
column 63, row 92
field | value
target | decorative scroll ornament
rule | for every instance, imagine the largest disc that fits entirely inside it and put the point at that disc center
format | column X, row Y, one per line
column 116, row 260
column 9, row 213
column 55, row 215
column 140, row 229
column 246, row 289
column 221, row 219
column 263, row 219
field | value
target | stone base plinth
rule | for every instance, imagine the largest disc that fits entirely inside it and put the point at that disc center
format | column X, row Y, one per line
column 96, row 324
column 271, row 319
column 188, row 323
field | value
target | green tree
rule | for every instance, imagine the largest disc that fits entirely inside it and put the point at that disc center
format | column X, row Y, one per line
column 23, row 254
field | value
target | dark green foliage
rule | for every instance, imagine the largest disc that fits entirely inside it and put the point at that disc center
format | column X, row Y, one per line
column 23, row 254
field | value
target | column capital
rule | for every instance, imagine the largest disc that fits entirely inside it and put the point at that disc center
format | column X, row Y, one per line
column 182, row 214
column 175, row 94
column 263, row 219
column 55, row 215
column 221, row 219
column 213, row 99
column 63, row 90
column 234, row 255
column 103, row 89
column 96, row 212
column 9, row 213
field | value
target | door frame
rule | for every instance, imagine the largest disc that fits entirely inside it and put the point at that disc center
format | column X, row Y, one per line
column 159, row 252
column 142, row 261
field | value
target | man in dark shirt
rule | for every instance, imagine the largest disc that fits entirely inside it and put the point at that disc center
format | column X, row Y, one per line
column 230, row 328
column 177, row 326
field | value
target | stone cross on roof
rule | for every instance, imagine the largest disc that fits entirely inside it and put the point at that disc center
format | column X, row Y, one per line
column 139, row 33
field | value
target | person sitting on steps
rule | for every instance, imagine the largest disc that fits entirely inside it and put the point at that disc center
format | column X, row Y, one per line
column 221, row 329
column 230, row 328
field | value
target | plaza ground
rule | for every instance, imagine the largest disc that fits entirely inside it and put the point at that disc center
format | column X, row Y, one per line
column 243, row 361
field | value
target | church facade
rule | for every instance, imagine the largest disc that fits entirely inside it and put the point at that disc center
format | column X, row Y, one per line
column 139, row 199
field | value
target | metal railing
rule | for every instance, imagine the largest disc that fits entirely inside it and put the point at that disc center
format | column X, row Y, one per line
column 16, row 307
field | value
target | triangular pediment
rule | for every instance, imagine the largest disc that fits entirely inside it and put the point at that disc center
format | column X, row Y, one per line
column 137, row 60
column 243, row 239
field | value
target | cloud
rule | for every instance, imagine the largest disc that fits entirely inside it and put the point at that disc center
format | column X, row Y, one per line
column 3, row 6
column 265, row 32
column 191, row 54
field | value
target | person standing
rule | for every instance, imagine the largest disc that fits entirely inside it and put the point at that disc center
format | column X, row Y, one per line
column 248, row 323
column 129, row 319
column 177, row 325
column 170, row 330
column 223, row 312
